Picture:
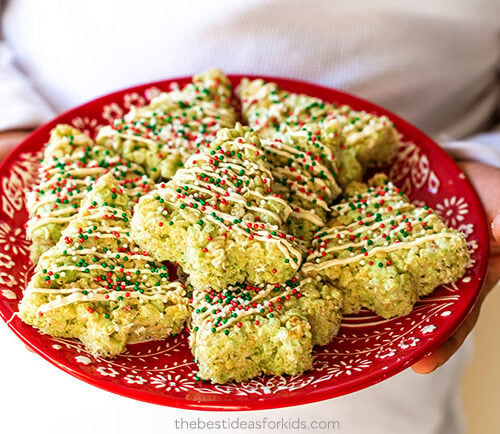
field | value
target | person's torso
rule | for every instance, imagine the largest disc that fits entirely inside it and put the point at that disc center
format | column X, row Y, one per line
column 434, row 63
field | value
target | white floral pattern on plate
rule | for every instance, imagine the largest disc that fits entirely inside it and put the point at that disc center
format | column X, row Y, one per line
column 453, row 210
column 171, row 382
column 111, row 112
column 411, row 170
column 12, row 239
column 88, row 125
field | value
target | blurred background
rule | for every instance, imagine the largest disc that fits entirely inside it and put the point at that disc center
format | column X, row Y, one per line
column 481, row 383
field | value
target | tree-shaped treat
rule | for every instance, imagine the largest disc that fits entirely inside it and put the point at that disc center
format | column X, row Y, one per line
column 383, row 252
column 98, row 286
column 164, row 134
column 268, row 109
column 220, row 218
column 244, row 330
column 71, row 163
column 304, row 165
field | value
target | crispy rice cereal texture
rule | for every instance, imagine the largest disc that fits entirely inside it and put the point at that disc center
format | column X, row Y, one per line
column 367, row 140
column 239, row 208
column 219, row 217
column 70, row 165
column 383, row 252
column 96, row 285
column 305, row 167
column 162, row 135
column 244, row 330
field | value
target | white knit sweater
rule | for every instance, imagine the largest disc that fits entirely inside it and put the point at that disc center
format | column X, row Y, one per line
column 436, row 63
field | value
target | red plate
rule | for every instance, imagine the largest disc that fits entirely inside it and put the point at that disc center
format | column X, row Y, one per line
column 367, row 349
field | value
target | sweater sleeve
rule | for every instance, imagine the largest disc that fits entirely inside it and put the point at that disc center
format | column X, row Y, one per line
column 483, row 147
column 21, row 106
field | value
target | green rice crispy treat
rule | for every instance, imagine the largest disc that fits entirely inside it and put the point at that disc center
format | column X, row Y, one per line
column 304, row 168
column 244, row 331
column 71, row 163
column 269, row 110
column 98, row 286
column 383, row 252
column 219, row 217
column 164, row 134
column 366, row 139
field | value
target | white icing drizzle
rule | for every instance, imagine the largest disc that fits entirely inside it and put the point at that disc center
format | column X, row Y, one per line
column 265, row 297
column 332, row 232
column 308, row 266
column 263, row 102
column 188, row 177
column 316, row 177
column 309, row 215
column 34, row 224
column 209, row 192
column 74, row 185
column 202, row 118
column 287, row 150
column 296, row 186
column 380, row 229
column 171, row 292
column 50, row 199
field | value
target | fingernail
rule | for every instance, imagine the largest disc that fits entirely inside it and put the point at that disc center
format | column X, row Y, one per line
column 495, row 227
